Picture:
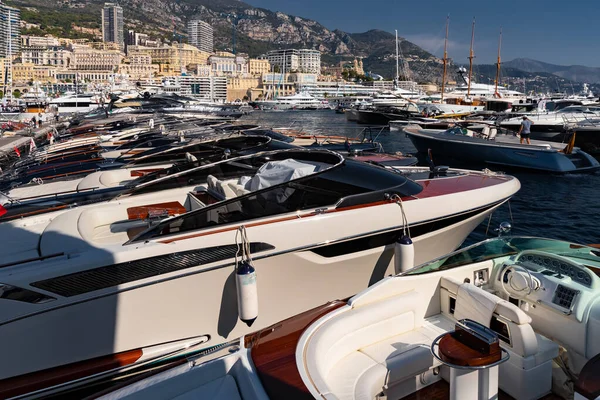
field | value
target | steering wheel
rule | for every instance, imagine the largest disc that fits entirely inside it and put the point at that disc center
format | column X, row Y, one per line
column 521, row 285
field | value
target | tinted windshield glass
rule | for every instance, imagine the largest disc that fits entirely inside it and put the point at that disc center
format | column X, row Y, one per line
column 507, row 246
column 358, row 182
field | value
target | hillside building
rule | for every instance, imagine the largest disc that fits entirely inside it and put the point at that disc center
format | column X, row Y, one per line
column 41, row 55
column 10, row 38
column 258, row 66
column 228, row 64
column 88, row 59
column 39, row 41
column 174, row 59
column 138, row 67
column 200, row 34
column 112, row 24
column 296, row 60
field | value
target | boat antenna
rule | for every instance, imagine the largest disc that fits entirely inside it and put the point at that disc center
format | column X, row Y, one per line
column 445, row 59
column 471, row 57
column 498, row 65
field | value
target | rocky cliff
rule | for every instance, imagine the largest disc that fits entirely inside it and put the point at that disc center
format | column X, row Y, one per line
column 257, row 30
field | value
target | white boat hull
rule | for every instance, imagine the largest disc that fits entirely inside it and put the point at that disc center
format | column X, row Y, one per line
column 202, row 300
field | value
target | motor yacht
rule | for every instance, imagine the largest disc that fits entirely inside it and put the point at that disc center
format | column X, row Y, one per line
column 550, row 125
column 75, row 103
column 96, row 181
column 459, row 145
column 157, row 264
column 297, row 101
column 511, row 317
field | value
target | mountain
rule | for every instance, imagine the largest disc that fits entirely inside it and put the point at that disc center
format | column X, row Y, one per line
column 576, row 73
column 257, row 30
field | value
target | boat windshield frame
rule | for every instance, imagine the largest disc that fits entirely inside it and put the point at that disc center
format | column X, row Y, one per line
column 469, row 255
column 283, row 202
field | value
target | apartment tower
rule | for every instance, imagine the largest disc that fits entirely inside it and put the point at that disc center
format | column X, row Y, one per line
column 201, row 35
column 112, row 24
column 10, row 38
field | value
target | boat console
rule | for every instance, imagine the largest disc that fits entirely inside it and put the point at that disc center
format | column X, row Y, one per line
column 549, row 280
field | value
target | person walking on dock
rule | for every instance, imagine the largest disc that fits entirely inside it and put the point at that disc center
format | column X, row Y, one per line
column 525, row 129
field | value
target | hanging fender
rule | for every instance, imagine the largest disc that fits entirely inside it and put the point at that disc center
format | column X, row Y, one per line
column 404, row 254
column 247, row 292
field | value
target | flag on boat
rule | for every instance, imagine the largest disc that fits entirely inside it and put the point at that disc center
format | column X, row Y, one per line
column 17, row 152
column 32, row 145
column 3, row 200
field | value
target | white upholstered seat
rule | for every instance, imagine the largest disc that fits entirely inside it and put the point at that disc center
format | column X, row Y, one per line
column 370, row 348
column 531, row 354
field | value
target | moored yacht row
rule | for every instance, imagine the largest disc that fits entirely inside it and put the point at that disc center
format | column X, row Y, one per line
column 116, row 255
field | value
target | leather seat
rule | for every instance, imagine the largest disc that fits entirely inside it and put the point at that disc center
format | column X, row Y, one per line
column 528, row 372
column 349, row 355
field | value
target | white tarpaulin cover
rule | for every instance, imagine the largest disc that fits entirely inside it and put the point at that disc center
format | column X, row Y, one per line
column 276, row 172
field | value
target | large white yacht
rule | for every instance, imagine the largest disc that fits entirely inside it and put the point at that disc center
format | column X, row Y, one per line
column 297, row 101
column 158, row 263
column 75, row 103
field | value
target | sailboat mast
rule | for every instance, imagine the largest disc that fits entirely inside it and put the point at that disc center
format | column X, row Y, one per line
column 445, row 60
column 471, row 57
column 397, row 67
column 498, row 64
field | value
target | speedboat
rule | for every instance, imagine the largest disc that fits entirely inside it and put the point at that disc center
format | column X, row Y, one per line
column 157, row 264
column 104, row 181
column 462, row 145
column 510, row 317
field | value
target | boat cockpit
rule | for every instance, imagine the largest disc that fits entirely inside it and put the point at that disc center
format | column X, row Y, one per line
column 532, row 303
column 273, row 183
column 541, row 297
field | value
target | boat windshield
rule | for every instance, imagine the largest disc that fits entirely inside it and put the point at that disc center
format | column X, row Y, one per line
column 507, row 246
column 333, row 184
column 457, row 131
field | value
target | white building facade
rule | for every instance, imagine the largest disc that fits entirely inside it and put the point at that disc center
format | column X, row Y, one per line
column 10, row 38
column 296, row 60
column 201, row 35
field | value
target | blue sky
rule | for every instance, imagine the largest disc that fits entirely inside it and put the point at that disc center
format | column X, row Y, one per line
column 559, row 32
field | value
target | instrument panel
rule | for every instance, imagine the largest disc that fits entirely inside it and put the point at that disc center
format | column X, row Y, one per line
column 551, row 266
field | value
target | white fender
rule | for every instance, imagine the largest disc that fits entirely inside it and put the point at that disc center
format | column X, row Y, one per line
column 247, row 292
column 404, row 254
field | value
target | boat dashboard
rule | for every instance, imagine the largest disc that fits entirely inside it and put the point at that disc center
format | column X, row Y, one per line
column 551, row 281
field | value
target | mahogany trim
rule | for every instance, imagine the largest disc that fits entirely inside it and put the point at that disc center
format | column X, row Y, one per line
column 143, row 172
column 588, row 383
column 273, row 351
column 455, row 352
column 431, row 188
column 38, row 380
column 272, row 221
column 143, row 212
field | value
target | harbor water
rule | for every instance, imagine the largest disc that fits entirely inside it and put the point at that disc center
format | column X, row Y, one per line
column 563, row 207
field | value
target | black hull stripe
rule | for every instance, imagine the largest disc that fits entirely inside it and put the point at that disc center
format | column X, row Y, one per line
column 79, row 283
column 387, row 238
column 113, row 275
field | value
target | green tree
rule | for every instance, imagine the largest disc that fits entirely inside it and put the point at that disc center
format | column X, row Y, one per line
column 16, row 93
column 325, row 95
column 1, row 93
column 276, row 69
